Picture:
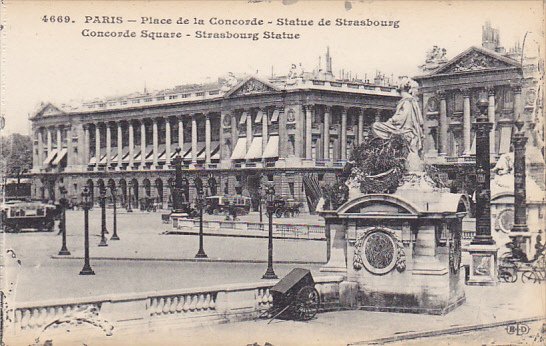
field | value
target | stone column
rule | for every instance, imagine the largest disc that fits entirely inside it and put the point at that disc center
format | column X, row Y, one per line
column 234, row 130
column 326, row 132
column 248, row 130
column 264, row 129
column 155, row 141
column 131, row 145
column 491, row 117
column 59, row 139
column 483, row 191
column 180, row 133
column 168, row 135
column 520, row 229
column 482, row 248
column 344, row 133
column 97, row 144
column 142, row 143
column 308, row 132
column 466, row 122
column 40, row 149
column 443, row 124
column 207, row 138
column 360, row 136
column 86, row 145
column 69, row 149
column 194, row 138
column 120, row 144
column 108, row 144
column 518, row 107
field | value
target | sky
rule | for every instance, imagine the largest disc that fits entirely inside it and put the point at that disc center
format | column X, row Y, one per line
column 53, row 62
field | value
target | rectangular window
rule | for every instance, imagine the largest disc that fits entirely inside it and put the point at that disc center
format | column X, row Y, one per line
column 161, row 98
column 172, row 97
column 148, row 99
column 135, row 101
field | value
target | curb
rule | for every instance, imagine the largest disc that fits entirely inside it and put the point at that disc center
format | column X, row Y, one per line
column 207, row 260
column 447, row 331
column 238, row 235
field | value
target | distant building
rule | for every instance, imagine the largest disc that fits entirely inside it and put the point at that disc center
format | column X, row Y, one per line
column 294, row 131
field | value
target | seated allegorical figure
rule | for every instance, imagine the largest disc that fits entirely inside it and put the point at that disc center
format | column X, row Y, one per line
column 406, row 121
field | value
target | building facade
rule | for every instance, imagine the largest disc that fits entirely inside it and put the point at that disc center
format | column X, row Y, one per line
column 294, row 131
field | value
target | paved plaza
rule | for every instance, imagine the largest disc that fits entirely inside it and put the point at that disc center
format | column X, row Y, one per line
column 145, row 259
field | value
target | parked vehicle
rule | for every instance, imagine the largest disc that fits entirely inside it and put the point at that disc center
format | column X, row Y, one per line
column 222, row 204
column 18, row 216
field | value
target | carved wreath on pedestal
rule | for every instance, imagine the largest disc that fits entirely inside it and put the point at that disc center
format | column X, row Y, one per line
column 455, row 252
column 379, row 251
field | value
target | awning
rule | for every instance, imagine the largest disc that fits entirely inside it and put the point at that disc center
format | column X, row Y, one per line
column 136, row 152
column 272, row 148
column 215, row 152
column 102, row 159
column 214, row 147
column 186, row 152
column 50, row 157
column 93, row 160
column 161, row 150
column 59, row 157
column 505, row 135
column 275, row 116
column 200, row 150
column 259, row 117
column 173, row 150
column 242, row 120
column 255, row 150
column 126, row 156
column 240, row 149
column 149, row 153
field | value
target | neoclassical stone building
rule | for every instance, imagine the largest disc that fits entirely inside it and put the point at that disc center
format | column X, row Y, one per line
column 294, row 130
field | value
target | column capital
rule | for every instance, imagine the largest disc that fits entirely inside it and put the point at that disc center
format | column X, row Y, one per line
column 308, row 107
column 465, row 92
column 516, row 87
column 441, row 94
column 490, row 91
column 344, row 109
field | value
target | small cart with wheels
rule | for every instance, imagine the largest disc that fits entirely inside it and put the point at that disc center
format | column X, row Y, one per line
column 294, row 297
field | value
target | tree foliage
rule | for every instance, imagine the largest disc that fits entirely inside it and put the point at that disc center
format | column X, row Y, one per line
column 16, row 153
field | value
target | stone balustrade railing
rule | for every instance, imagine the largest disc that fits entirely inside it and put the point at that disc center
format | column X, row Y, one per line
column 150, row 311
column 299, row 231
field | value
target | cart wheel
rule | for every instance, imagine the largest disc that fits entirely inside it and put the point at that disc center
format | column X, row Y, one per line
column 528, row 276
column 307, row 303
column 278, row 213
column 506, row 276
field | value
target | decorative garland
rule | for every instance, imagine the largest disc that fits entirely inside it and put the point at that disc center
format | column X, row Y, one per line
column 378, row 165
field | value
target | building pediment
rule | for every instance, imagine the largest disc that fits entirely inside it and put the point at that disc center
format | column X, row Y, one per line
column 250, row 86
column 48, row 110
column 476, row 59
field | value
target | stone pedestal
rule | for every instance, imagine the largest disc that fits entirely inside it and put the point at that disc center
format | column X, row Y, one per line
column 483, row 265
column 400, row 252
column 336, row 262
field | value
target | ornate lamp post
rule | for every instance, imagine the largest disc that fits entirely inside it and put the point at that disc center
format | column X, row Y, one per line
column 270, row 195
column 102, row 199
column 87, row 203
column 520, row 230
column 63, row 202
column 178, row 188
column 130, row 187
column 483, row 266
column 200, row 204
column 115, row 218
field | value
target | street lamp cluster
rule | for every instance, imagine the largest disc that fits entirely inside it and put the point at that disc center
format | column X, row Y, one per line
column 179, row 186
column 87, row 204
